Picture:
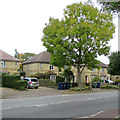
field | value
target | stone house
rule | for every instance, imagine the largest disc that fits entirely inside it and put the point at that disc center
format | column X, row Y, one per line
column 8, row 63
column 41, row 64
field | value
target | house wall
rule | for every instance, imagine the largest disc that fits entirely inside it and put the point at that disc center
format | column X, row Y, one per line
column 87, row 74
column 31, row 69
column 34, row 68
column 10, row 67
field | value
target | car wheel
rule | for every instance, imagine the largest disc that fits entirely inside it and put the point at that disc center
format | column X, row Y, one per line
column 36, row 87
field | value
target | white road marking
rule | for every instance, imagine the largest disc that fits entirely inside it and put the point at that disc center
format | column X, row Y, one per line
column 91, row 115
column 96, row 114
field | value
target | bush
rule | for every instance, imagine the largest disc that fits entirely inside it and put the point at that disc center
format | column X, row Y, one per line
column 59, row 79
column 79, row 89
column 110, row 87
column 22, row 73
column 96, row 79
column 14, row 82
column 44, row 75
column 47, row 83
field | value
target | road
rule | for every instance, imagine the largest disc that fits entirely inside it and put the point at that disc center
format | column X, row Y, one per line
column 60, row 106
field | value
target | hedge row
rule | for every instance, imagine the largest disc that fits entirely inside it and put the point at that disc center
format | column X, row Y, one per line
column 12, row 81
column 110, row 87
column 47, row 83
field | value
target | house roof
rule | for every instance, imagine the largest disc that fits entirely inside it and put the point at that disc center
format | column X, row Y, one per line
column 43, row 57
column 103, row 65
column 6, row 57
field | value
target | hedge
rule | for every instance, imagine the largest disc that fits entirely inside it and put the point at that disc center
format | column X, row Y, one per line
column 47, row 83
column 110, row 87
column 59, row 79
column 12, row 81
column 80, row 89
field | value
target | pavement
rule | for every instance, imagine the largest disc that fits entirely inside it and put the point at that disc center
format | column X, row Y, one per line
column 8, row 93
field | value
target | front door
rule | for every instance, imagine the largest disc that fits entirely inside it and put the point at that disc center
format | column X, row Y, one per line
column 86, row 79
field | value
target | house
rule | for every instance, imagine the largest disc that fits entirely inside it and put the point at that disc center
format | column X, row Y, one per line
column 41, row 64
column 8, row 63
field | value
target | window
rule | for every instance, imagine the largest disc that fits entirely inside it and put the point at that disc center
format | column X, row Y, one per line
column 93, row 69
column 15, row 64
column 53, row 77
column 3, row 64
column 51, row 67
column 40, row 65
column 103, row 70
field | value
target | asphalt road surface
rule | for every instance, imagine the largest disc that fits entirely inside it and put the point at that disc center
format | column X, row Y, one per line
column 60, row 106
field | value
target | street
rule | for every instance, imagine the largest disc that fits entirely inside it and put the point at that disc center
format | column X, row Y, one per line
column 60, row 106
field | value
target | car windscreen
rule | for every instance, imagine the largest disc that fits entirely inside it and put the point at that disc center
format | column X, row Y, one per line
column 34, row 80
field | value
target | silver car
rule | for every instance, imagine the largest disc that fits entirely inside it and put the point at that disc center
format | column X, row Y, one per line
column 32, row 82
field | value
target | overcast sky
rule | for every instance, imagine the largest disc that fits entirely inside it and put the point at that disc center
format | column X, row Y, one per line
column 22, row 23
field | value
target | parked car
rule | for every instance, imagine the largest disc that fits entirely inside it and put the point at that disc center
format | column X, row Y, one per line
column 107, row 81
column 32, row 82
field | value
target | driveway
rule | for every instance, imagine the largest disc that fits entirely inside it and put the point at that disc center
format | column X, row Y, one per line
column 41, row 91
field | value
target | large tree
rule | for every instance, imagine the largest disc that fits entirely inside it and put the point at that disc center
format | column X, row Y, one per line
column 114, row 66
column 79, row 37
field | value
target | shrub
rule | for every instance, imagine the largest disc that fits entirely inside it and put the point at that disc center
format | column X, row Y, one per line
column 110, row 87
column 47, row 83
column 44, row 75
column 14, row 82
column 22, row 73
column 79, row 89
column 59, row 79
column 96, row 79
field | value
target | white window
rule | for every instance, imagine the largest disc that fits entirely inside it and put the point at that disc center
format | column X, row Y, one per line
column 103, row 70
column 15, row 64
column 52, row 77
column 3, row 64
column 40, row 65
column 93, row 69
column 51, row 67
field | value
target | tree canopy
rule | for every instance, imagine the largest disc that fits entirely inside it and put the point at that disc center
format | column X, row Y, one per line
column 79, row 37
column 114, row 66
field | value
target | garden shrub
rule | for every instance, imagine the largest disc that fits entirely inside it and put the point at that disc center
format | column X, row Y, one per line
column 96, row 79
column 12, row 81
column 110, row 87
column 59, row 79
column 43, row 75
column 22, row 73
column 79, row 89
column 47, row 83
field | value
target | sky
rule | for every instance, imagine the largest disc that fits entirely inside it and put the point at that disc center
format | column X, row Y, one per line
column 22, row 23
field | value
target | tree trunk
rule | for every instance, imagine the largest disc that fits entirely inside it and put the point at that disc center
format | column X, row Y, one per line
column 79, row 78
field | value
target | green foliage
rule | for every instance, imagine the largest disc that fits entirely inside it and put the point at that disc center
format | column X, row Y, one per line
column 16, row 54
column 68, row 74
column 96, row 79
column 110, row 87
column 59, row 79
column 79, row 89
column 114, row 66
column 79, row 37
column 47, row 83
column 22, row 73
column 14, row 82
column 27, row 56
column 110, row 6
column 44, row 75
